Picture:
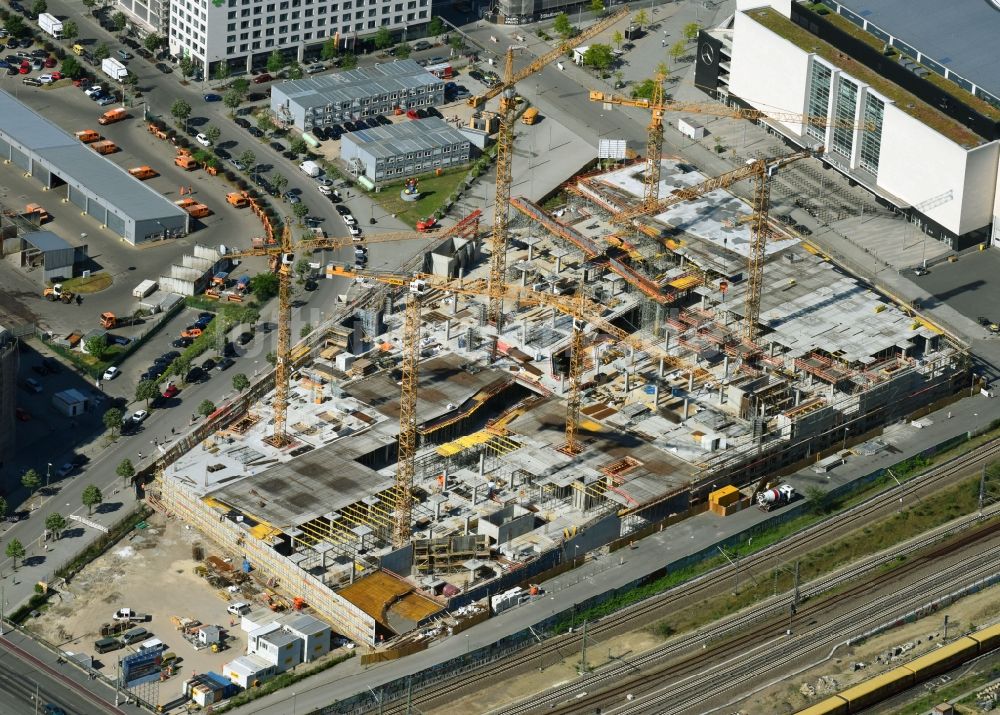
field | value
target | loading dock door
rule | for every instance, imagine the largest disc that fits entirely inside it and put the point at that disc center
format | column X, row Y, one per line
column 116, row 224
column 96, row 209
column 40, row 173
column 77, row 197
column 19, row 158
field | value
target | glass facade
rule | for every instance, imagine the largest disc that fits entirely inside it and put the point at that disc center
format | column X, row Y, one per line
column 846, row 104
column 871, row 139
column 819, row 98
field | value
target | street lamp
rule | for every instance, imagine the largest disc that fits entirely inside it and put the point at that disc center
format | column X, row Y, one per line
column 48, row 473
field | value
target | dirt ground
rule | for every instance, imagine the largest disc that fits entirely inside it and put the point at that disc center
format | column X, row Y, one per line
column 788, row 696
column 151, row 572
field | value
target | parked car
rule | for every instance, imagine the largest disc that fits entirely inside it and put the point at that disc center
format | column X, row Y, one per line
column 105, row 101
column 225, row 363
column 212, row 97
column 164, row 68
column 202, row 139
column 255, row 132
column 241, row 122
column 293, row 199
column 181, row 342
column 261, row 78
column 171, row 391
column 353, row 229
column 277, row 146
column 139, row 416
column 65, row 470
column 31, row 385
column 343, row 210
column 195, row 374
column 318, row 67
column 239, row 165
column 208, row 364
column 111, row 373
column 244, row 338
column 32, row 82
column 421, row 45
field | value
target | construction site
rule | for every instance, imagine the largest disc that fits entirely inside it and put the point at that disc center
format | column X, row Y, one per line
column 571, row 381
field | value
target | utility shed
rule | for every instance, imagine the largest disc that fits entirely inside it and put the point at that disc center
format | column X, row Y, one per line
column 70, row 402
column 46, row 250
column 403, row 150
column 314, row 633
column 248, row 670
column 95, row 185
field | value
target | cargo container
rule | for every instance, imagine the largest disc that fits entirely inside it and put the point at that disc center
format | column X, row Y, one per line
column 877, row 689
column 988, row 638
column 144, row 288
column 831, row 706
column 51, row 25
column 943, row 659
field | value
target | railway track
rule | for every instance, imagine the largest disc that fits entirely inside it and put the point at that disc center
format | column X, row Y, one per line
column 715, row 581
column 689, row 673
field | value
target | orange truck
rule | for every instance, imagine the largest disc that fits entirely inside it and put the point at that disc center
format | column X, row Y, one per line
column 238, row 199
column 87, row 136
column 142, row 172
column 43, row 215
column 113, row 115
column 105, row 146
column 158, row 133
column 185, row 162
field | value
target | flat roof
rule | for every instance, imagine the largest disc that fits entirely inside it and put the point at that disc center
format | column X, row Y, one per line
column 115, row 187
column 378, row 593
column 45, row 241
column 351, row 85
column 959, row 34
column 415, row 135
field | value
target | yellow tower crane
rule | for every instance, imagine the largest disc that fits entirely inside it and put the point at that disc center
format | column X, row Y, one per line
column 505, row 142
column 281, row 259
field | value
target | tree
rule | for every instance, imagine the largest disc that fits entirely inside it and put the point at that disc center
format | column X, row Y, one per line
column 3, row 507
column 119, row 20
column 275, row 62
column 222, row 71
column 403, row 51
column 301, row 211
column 71, row 67
column 644, row 90
column 125, row 470
column 181, row 111
column 213, row 133
column 677, row 50
column 619, row 79
column 248, row 159
column 55, row 523
column 264, row 286
column 113, row 420
column 187, row 66
column 435, row 27
column 662, row 71
column 91, row 497
column 597, row 7
column 240, row 382
column 278, row 181
column 70, row 30
column 618, row 38
column 298, row 146
column 101, row 52
column 265, row 123
column 272, row 357
column 302, row 265
column 295, row 71
column 456, row 42
column 383, row 38
column 691, row 31
column 329, row 50
column 818, row 500
column 31, row 480
column 348, row 61
column 15, row 551
column 38, row 7
column 206, row 408
column 306, row 329
column 153, row 42
column 97, row 345
column 15, row 26
column 146, row 390
column 90, row 4
column 640, row 19
column 232, row 99
column 180, row 366
column 598, row 56
column 241, row 85
column 562, row 25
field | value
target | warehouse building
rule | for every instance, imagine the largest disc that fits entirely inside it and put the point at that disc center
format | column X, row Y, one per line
column 344, row 96
column 917, row 77
column 46, row 250
column 97, row 186
column 400, row 150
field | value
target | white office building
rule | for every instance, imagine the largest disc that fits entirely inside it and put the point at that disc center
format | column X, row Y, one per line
column 917, row 78
column 248, row 31
column 147, row 16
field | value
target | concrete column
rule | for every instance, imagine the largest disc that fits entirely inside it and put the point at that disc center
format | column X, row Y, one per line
column 772, row 348
column 660, row 371
column 524, row 278
column 666, row 340
column 531, row 251
column 725, row 366
column 690, row 380
column 798, row 396
column 467, row 518
column 447, row 330
column 832, row 391
column 659, row 319
column 482, row 464
column 437, row 511
column 722, row 394
column 683, row 260
column 454, row 304
column 444, row 479
column 555, row 317
column 704, row 302
column 684, row 415
column 656, row 396
column 475, row 500
column 249, row 63
column 524, row 333
column 558, row 264
column 510, row 480
column 627, row 376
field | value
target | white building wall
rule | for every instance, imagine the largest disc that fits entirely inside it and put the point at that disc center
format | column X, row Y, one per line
column 759, row 58
column 981, row 187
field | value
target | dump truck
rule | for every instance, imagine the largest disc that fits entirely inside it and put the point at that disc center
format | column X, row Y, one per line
column 37, row 209
column 105, row 146
column 158, row 133
column 238, row 199
column 185, row 161
column 142, row 172
column 87, row 136
column 114, row 69
column 113, row 115
column 51, row 24
column 55, row 292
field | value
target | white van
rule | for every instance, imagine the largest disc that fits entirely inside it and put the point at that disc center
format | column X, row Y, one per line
column 238, row 608
column 153, row 644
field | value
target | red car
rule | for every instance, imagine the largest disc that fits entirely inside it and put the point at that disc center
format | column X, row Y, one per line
column 50, row 61
column 171, row 390
column 56, row 76
column 25, row 67
column 22, row 414
column 412, row 114
column 82, row 83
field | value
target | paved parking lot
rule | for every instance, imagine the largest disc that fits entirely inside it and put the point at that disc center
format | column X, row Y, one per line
column 968, row 285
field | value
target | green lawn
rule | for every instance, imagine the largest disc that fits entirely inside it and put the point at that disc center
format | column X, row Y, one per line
column 434, row 192
column 91, row 284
